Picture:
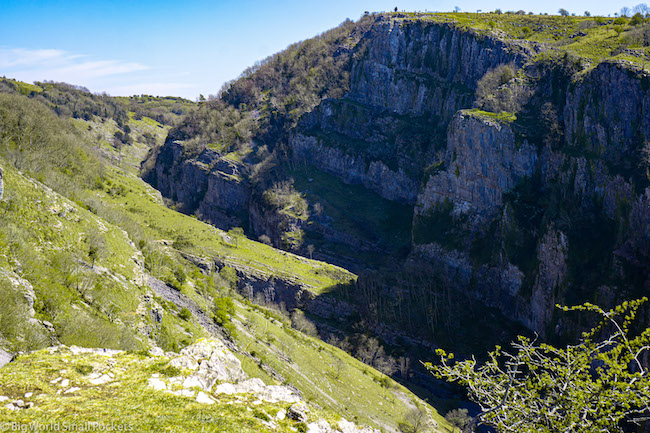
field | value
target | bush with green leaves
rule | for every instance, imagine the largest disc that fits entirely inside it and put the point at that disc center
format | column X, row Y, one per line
column 185, row 314
column 596, row 385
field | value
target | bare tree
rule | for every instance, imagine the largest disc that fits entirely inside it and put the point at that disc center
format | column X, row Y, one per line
column 458, row 418
column 404, row 367
column 415, row 421
column 642, row 9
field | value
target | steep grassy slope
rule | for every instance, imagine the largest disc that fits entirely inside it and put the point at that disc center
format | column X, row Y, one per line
column 84, row 265
column 326, row 375
column 122, row 396
column 49, row 267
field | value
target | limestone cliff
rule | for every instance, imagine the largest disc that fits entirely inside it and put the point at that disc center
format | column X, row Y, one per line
column 520, row 209
column 201, row 181
column 418, row 67
column 483, row 162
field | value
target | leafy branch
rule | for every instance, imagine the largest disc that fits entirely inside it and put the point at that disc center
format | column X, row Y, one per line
column 590, row 387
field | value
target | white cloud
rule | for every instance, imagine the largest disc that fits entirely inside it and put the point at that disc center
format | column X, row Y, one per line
column 60, row 65
column 117, row 77
column 17, row 57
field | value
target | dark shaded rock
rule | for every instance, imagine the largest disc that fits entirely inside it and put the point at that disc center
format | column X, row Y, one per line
column 483, row 161
column 200, row 180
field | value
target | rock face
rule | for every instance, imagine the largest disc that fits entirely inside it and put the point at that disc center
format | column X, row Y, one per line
column 5, row 358
column 415, row 67
column 552, row 256
column 483, row 162
column 403, row 91
column 355, row 169
column 201, row 181
column 525, row 192
column 361, row 145
column 606, row 111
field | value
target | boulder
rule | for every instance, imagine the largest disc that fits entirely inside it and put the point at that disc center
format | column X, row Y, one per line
column 5, row 358
column 298, row 412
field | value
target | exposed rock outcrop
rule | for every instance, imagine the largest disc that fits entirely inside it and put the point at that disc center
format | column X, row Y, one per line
column 215, row 369
column 5, row 358
column 552, row 255
column 606, row 111
column 418, row 67
column 355, row 169
column 2, row 183
column 483, row 161
column 202, row 181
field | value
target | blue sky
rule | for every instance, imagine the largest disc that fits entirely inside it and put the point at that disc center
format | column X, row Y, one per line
column 187, row 48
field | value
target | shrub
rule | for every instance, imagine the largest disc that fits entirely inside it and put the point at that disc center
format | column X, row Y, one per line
column 458, row 418
column 587, row 24
column 185, row 314
column 302, row 324
column 493, row 79
column 636, row 19
column 224, row 309
column 415, row 421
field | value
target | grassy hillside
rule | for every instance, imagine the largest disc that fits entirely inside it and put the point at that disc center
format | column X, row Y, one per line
column 592, row 38
column 126, row 399
column 76, row 246
column 326, row 375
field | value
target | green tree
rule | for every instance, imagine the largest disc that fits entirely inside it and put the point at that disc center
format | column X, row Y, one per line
column 596, row 385
column 636, row 19
column 563, row 12
column 96, row 247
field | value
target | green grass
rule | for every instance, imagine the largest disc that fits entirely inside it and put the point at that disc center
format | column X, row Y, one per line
column 556, row 33
column 127, row 400
column 313, row 366
column 129, row 156
column 140, row 203
column 45, row 240
column 356, row 210
column 21, row 87
column 503, row 116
